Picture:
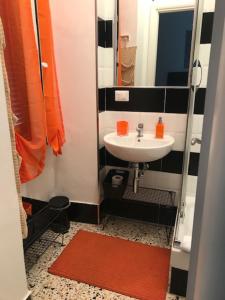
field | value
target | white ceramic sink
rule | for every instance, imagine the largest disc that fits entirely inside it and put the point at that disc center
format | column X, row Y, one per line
column 138, row 150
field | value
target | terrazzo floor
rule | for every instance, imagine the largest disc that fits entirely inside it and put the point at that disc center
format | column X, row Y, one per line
column 45, row 286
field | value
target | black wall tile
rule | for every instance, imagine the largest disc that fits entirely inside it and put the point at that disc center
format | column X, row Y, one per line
column 179, row 279
column 173, row 162
column 177, row 101
column 101, row 33
column 193, row 164
column 149, row 212
column 141, row 100
column 102, row 157
column 109, row 34
column 155, row 165
column 207, row 28
column 114, row 161
column 200, row 102
column 101, row 100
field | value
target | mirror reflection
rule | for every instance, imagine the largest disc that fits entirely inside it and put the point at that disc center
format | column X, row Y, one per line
column 154, row 42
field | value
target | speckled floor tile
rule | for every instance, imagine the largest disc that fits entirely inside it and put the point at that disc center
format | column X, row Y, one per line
column 45, row 286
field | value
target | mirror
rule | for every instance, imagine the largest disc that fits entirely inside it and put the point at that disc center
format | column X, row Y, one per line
column 154, row 42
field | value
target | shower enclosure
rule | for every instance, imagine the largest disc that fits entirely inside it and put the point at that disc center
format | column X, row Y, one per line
column 183, row 231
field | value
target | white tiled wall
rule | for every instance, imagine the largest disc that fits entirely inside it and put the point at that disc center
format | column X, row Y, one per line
column 105, row 67
column 175, row 125
column 209, row 5
column 106, row 11
column 204, row 56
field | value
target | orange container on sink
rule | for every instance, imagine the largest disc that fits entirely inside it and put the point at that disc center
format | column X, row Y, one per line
column 122, row 128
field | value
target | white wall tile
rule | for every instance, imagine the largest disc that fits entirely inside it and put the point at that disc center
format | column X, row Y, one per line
column 209, row 5
column 101, row 78
column 197, row 147
column 101, row 57
column 204, row 54
column 205, row 70
column 108, row 77
column 175, row 122
column 109, row 9
column 106, row 9
column 197, row 124
column 191, row 185
column 109, row 58
column 101, row 9
column 202, row 76
column 179, row 144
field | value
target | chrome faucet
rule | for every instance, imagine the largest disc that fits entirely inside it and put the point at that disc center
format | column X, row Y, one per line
column 140, row 130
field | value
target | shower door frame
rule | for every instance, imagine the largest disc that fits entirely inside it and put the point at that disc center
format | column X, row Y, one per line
column 193, row 89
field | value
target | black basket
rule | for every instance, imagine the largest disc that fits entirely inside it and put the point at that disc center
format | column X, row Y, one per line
column 111, row 192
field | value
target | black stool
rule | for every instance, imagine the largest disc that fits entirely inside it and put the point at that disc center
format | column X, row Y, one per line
column 60, row 204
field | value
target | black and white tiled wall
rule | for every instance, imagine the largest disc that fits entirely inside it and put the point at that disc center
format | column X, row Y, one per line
column 106, row 11
column 204, row 56
column 146, row 105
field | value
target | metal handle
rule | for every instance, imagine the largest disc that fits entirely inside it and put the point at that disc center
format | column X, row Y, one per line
column 140, row 125
column 196, row 141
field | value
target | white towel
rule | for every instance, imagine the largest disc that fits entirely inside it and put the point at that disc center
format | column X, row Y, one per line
column 186, row 243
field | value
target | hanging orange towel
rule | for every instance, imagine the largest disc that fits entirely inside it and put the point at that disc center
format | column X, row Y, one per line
column 23, row 70
column 55, row 128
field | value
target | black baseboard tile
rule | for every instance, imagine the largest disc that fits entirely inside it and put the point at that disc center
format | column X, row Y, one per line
column 84, row 213
column 79, row 212
column 140, row 100
column 193, row 164
column 138, row 210
column 37, row 205
column 207, row 28
column 178, row 283
column 177, row 100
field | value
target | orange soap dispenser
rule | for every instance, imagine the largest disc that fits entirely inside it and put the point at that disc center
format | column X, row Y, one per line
column 159, row 130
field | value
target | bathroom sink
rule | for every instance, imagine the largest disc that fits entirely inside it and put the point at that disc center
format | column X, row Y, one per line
column 138, row 150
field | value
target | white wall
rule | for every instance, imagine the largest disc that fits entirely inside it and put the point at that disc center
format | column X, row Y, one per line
column 12, row 271
column 75, row 173
column 74, row 28
column 128, row 20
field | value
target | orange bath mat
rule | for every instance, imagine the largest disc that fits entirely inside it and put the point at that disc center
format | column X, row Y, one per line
column 115, row 264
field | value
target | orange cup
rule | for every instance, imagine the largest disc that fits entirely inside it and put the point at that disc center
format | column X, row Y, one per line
column 122, row 128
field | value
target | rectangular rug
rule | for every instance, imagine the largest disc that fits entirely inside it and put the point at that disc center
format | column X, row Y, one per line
column 125, row 267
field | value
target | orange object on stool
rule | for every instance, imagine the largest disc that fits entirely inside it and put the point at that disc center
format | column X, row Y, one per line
column 122, row 128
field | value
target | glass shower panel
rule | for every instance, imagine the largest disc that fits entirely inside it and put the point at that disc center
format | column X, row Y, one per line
column 193, row 140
